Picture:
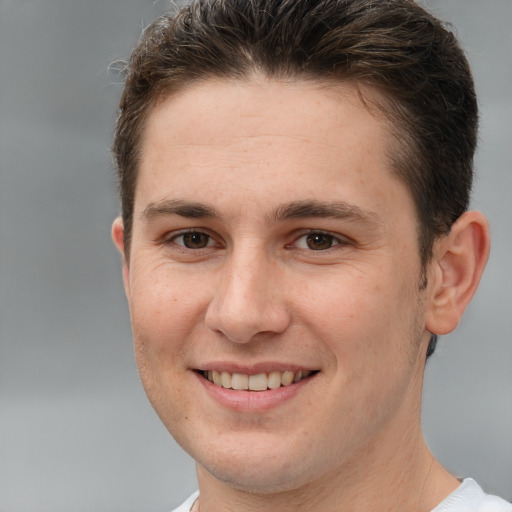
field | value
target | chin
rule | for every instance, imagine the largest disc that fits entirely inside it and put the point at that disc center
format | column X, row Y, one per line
column 258, row 478
column 259, row 468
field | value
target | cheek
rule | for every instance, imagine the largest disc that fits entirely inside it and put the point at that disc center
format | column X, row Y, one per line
column 370, row 331
column 366, row 320
column 165, row 308
column 162, row 320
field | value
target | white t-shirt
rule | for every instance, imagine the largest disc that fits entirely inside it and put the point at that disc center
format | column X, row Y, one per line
column 468, row 497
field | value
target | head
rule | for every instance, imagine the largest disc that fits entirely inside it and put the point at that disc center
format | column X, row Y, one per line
column 326, row 146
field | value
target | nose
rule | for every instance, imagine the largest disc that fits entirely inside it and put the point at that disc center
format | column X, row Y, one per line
column 249, row 300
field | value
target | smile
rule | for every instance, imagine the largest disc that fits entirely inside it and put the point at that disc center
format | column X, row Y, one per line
column 259, row 382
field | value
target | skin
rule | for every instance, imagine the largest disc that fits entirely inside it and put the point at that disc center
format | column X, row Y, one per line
column 259, row 292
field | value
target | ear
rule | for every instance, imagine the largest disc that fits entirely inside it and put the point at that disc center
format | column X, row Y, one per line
column 118, row 238
column 458, row 263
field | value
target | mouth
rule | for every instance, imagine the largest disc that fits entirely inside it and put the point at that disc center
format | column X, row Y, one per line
column 259, row 382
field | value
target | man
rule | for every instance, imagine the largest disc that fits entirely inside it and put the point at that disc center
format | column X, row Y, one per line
column 295, row 179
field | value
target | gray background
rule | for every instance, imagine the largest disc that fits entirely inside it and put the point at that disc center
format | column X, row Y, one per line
column 76, row 431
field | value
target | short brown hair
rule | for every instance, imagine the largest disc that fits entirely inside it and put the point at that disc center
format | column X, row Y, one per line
column 392, row 46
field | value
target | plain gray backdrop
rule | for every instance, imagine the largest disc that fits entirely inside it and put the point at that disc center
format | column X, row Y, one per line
column 76, row 431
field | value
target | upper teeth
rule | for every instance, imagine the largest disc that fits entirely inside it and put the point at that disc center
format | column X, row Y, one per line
column 259, row 382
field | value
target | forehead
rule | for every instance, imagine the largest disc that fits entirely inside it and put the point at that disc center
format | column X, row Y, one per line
column 262, row 106
column 283, row 139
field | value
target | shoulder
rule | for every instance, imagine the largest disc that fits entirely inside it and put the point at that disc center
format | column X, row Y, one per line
column 469, row 497
column 187, row 505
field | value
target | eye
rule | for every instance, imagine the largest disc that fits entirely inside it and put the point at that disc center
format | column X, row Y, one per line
column 317, row 241
column 193, row 240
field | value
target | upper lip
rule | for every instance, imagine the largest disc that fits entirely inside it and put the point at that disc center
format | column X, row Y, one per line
column 254, row 369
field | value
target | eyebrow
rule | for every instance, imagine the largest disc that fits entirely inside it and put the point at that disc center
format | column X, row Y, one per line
column 179, row 207
column 331, row 210
column 294, row 210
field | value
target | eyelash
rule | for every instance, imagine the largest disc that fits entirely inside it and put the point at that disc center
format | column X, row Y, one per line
column 330, row 239
column 172, row 240
column 334, row 240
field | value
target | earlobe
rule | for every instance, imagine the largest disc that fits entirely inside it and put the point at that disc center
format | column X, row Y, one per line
column 458, row 263
column 118, row 238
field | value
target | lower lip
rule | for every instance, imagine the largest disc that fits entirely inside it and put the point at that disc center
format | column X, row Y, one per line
column 253, row 401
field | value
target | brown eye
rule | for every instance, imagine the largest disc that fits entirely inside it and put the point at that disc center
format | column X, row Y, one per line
column 320, row 241
column 195, row 240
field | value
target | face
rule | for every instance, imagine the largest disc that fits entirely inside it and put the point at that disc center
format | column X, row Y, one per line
column 274, row 250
